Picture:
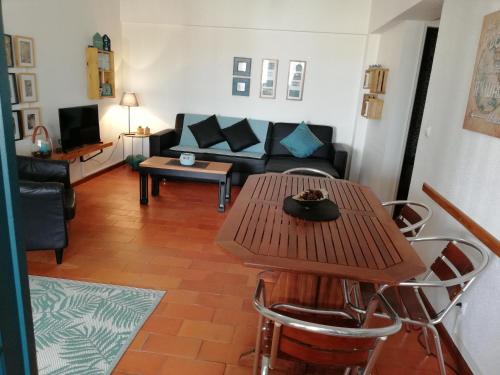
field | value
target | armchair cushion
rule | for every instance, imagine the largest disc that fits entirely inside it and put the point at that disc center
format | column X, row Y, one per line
column 301, row 143
column 43, row 170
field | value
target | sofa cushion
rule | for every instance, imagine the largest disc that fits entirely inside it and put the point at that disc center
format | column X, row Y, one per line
column 280, row 164
column 280, row 130
column 207, row 132
column 240, row 136
column 301, row 142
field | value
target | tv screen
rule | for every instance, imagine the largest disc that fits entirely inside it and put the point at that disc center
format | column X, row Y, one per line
column 79, row 126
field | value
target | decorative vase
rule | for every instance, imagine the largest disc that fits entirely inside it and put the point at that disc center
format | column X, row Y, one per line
column 140, row 130
column 41, row 144
column 147, row 130
column 187, row 159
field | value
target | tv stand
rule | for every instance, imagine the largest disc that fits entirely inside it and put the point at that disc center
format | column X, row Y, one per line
column 80, row 152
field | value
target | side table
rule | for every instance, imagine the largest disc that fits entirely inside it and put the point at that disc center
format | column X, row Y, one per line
column 134, row 160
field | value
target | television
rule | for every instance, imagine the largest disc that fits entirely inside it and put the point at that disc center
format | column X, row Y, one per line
column 79, row 126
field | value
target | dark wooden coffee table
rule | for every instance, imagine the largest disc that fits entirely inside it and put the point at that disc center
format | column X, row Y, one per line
column 158, row 167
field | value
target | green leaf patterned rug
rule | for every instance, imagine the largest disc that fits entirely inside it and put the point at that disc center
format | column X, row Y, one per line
column 84, row 328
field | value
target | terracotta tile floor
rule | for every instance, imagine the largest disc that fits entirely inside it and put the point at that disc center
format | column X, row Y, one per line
column 205, row 320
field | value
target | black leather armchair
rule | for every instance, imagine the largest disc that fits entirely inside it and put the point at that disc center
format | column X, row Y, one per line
column 48, row 202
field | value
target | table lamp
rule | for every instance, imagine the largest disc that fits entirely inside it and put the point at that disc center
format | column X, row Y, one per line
column 129, row 100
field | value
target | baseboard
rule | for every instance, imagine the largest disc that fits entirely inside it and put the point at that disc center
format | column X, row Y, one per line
column 98, row 173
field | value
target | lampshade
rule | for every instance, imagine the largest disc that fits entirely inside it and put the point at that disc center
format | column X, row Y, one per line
column 129, row 99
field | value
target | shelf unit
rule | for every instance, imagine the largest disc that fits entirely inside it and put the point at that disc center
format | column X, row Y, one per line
column 81, row 151
column 96, row 75
column 375, row 81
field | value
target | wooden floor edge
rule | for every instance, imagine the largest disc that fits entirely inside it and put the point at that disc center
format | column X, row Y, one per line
column 98, row 173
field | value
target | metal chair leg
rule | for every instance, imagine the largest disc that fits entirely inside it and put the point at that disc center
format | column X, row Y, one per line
column 264, row 365
column 275, row 345
column 258, row 344
column 426, row 340
column 439, row 351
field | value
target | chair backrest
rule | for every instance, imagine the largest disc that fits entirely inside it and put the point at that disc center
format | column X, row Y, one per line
column 308, row 171
column 331, row 338
column 409, row 221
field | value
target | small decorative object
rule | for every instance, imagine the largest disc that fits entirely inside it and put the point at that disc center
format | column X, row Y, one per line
column 17, row 122
column 97, row 41
column 9, row 53
column 311, row 197
column 25, row 52
column 296, row 75
column 14, row 96
column 41, row 146
column 242, row 66
column 106, row 89
column 103, row 61
column 28, row 90
column 30, row 119
column 268, row 78
column 483, row 107
column 106, row 43
column 140, row 130
column 129, row 99
column 147, row 130
column 241, row 86
column 312, row 204
column 187, row 158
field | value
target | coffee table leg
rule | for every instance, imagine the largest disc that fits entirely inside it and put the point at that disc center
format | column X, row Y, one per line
column 222, row 195
column 155, row 188
column 228, row 187
column 143, row 187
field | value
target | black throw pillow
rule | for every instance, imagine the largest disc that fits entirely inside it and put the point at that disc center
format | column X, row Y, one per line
column 207, row 132
column 240, row 136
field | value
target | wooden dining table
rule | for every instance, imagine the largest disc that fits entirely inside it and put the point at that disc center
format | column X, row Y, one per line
column 311, row 257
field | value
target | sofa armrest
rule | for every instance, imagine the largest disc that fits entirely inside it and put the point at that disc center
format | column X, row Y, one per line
column 43, row 170
column 339, row 158
column 164, row 139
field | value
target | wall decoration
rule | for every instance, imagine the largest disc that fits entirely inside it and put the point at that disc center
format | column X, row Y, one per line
column 296, row 74
column 483, row 108
column 17, row 122
column 31, row 118
column 9, row 53
column 14, row 96
column 25, row 51
column 241, row 86
column 28, row 90
column 97, row 41
column 242, row 66
column 268, row 78
column 106, row 43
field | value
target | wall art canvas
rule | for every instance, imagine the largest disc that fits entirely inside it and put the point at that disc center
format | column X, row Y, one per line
column 9, row 53
column 14, row 96
column 483, row 108
column 25, row 51
column 242, row 66
column 28, row 90
column 17, row 122
column 268, row 78
column 296, row 74
column 30, row 119
column 241, row 86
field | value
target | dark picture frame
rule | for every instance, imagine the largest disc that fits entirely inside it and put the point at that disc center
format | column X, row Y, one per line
column 14, row 93
column 241, row 86
column 17, row 122
column 242, row 66
column 9, row 51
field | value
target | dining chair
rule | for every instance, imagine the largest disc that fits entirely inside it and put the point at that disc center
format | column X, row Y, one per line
column 408, row 218
column 330, row 338
column 309, row 171
column 454, row 271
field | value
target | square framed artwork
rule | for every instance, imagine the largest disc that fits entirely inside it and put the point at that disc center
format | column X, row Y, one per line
column 241, row 86
column 9, row 52
column 242, row 66
column 31, row 118
column 25, row 51
column 14, row 94
column 296, row 75
column 18, row 125
column 268, row 78
column 28, row 90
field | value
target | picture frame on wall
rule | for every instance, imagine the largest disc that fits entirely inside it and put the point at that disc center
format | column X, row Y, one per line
column 27, row 85
column 296, row 76
column 242, row 66
column 18, row 125
column 25, row 51
column 9, row 52
column 268, row 78
column 31, row 118
column 241, row 86
column 14, row 95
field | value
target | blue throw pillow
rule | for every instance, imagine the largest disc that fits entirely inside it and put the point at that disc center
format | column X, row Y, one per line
column 301, row 142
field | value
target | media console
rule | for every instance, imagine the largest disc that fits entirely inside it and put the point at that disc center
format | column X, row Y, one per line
column 80, row 152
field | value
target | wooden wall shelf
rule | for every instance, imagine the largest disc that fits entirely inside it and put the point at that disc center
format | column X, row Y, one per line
column 376, row 80
column 372, row 107
column 97, row 76
column 80, row 152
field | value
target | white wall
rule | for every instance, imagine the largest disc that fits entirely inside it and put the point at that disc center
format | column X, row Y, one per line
column 464, row 166
column 62, row 30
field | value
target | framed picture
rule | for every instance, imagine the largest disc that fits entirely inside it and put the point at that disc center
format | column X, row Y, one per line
column 268, row 78
column 241, row 86
column 25, row 51
column 28, row 90
column 30, row 119
column 9, row 53
column 18, row 125
column 242, row 66
column 14, row 96
column 296, row 74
